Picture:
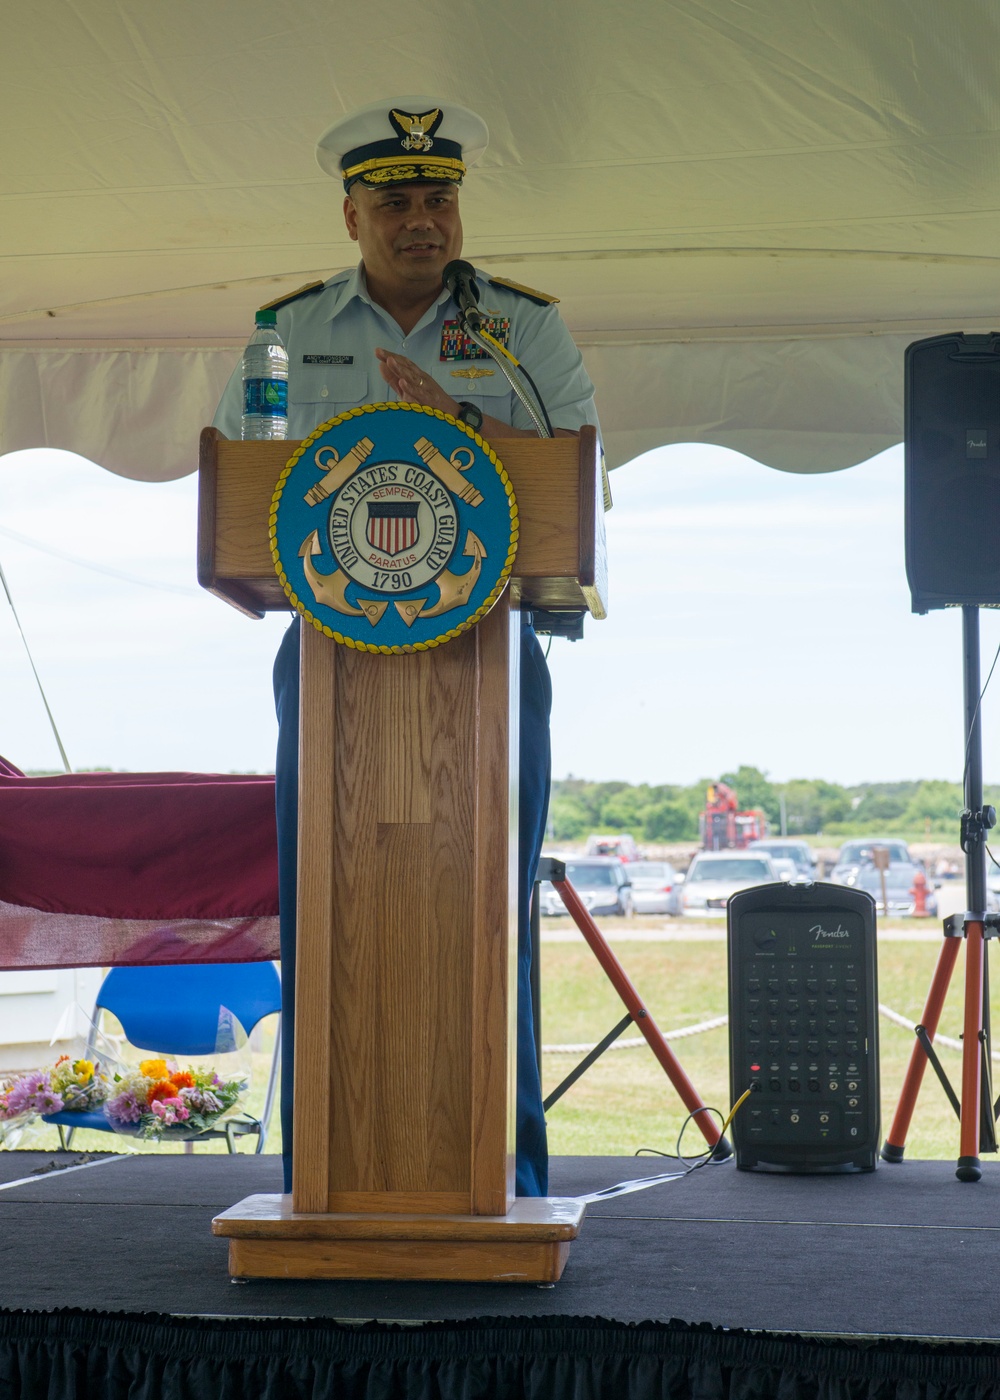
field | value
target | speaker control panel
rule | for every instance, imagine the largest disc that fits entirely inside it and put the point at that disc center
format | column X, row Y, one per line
column 803, row 1027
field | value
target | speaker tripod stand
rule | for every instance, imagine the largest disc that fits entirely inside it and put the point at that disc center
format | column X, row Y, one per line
column 975, row 1108
column 554, row 870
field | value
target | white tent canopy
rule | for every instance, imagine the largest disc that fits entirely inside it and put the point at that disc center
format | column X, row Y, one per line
column 747, row 210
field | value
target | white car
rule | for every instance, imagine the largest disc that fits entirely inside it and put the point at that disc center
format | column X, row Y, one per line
column 602, row 883
column 787, row 848
column 785, row 869
column 714, row 876
column 656, row 888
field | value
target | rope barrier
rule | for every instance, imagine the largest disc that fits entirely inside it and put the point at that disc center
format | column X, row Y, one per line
column 635, row 1042
column 909, row 1025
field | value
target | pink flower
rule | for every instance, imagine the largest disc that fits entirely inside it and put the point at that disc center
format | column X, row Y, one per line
column 170, row 1111
column 32, row 1093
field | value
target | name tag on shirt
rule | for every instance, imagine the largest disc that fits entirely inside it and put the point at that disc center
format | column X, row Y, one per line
column 455, row 345
column 328, row 359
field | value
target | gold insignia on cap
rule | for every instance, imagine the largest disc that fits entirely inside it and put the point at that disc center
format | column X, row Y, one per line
column 389, row 171
column 417, row 129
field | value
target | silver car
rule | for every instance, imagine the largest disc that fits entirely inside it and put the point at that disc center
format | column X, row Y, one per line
column 856, row 855
column 788, row 848
column 899, row 881
column 601, row 882
column 656, row 888
column 713, row 876
column 787, row 869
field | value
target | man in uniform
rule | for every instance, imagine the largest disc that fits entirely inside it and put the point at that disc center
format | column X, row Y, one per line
column 389, row 326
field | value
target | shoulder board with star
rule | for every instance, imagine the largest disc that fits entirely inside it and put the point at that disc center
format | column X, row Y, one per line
column 278, row 302
column 539, row 298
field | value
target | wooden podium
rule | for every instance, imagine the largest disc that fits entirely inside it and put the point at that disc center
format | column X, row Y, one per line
column 407, row 910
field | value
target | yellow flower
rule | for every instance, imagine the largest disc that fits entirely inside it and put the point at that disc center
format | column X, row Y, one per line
column 154, row 1069
column 84, row 1070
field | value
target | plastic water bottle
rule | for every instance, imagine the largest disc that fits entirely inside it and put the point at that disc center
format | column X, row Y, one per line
column 265, row 382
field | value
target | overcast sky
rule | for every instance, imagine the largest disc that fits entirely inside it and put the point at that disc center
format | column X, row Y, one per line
column 756, row 617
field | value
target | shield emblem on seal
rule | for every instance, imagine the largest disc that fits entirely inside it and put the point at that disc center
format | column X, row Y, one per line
column 392, row 526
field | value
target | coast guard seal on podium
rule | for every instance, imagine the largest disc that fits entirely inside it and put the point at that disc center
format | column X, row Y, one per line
column 393, row 528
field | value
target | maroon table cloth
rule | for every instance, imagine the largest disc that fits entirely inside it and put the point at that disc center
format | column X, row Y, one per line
column 102, row 869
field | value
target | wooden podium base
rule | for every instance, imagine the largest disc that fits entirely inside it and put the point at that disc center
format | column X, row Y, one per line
column 530, row 1244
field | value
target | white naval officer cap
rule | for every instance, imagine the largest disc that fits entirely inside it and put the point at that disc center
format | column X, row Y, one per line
column 403, row 138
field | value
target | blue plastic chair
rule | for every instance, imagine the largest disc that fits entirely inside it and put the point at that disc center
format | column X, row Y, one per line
column 175, row 1010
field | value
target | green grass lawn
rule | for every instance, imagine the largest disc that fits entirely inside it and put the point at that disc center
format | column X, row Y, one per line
column 625, row 1102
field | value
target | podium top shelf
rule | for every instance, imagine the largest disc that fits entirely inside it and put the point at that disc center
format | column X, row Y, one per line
column 561, row 561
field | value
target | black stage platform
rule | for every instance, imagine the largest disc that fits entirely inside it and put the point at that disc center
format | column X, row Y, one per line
column 907, row 1252
column 904, row 1251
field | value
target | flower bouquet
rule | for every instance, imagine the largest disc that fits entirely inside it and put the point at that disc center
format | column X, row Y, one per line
column 69, row 1086
column 159, row 1100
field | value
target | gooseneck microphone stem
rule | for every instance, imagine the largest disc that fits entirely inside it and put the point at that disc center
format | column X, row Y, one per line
column 460, row 279
column 510, row 373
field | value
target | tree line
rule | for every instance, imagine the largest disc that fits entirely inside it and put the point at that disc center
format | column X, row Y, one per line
column 926, row 808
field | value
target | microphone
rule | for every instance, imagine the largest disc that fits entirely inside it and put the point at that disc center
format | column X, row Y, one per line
column 459, row 278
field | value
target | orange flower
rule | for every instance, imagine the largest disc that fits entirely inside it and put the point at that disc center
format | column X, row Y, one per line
column 164, row 1090
column 154, row 1069
column 182, row 1079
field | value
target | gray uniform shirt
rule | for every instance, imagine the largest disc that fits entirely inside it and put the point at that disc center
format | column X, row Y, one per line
column 331, row 336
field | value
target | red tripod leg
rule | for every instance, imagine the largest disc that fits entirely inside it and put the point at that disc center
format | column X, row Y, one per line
column 968, row 1168
column 895, row 1142
column 619, row 979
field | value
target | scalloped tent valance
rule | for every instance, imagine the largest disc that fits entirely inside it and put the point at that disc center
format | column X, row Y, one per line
column 747, row 211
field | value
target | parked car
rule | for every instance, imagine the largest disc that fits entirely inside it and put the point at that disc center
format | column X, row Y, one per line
column 786, row 869
column 602, row 882
column 715, row 875
column 656, row 888
column 787, row 849
column 898, row 887
column 857, row 854
column 619, row 844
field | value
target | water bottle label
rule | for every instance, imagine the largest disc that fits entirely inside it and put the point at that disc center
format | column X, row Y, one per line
column 268, row 397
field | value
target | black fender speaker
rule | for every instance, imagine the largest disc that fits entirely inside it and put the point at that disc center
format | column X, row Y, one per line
column 952, row 443
column 803, row 1028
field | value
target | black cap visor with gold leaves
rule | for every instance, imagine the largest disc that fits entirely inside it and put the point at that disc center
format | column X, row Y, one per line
column 415, row 154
